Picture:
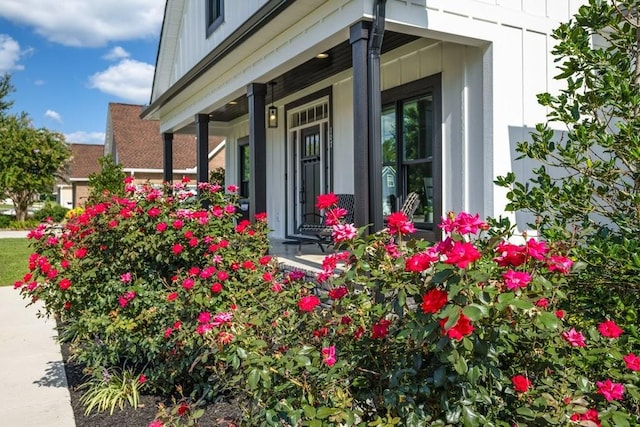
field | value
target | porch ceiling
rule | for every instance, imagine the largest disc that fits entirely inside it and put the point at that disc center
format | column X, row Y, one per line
column 307, row 74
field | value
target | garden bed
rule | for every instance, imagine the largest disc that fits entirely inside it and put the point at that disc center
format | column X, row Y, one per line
column 220, row 414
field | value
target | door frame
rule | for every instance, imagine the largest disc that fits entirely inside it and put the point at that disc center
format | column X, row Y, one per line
column 292, row 216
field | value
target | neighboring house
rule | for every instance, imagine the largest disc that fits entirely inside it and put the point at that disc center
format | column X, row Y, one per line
column 134, row 143
column 434, row 94
column 84, row 162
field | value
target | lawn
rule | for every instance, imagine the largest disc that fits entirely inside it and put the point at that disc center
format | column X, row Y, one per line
column 14, row 254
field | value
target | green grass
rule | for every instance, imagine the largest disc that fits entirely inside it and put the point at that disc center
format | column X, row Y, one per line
column 14, row 260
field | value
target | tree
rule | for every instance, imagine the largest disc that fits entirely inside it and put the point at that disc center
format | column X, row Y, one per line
column 587, row 189
column 5, row 89
column 110, row 179
column 30, row 161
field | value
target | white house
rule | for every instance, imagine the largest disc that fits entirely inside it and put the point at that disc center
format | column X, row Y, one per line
column 436, row 91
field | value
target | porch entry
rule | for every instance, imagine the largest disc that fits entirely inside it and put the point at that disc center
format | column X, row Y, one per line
column 310, row 148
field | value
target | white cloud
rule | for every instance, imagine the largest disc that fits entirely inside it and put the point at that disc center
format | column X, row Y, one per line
column 38, row 82
column 116, row 53
column 129, row 79
column 82, row 137
column 54, row 115
column 87, row 23
column 10, row 53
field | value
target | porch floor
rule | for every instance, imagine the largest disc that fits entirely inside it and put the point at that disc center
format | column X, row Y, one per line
column 306, row 257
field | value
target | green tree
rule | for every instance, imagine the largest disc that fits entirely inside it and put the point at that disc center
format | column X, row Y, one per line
column 586, row 191
column 30, row 161
column 5, row 89
column 109, row 180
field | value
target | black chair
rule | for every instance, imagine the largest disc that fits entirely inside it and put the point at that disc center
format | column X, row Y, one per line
column 314, row 228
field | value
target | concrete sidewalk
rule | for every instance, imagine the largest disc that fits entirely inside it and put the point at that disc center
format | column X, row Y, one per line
column 33, row 384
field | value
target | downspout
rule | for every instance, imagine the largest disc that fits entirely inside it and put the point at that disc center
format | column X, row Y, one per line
column 375, row 114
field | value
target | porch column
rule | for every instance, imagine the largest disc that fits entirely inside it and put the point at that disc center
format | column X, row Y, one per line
column 359, row 35
column 202, row 149
column 167, row 159
column 257, row 149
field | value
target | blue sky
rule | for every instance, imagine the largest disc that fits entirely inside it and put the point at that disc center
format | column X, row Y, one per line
column 68, row 59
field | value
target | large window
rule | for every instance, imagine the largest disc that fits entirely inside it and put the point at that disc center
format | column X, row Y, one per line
column 411, row 148
column 215, row 15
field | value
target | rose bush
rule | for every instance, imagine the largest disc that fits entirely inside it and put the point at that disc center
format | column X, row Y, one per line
column 131, row 278
column 469, row 331
column 401, row 332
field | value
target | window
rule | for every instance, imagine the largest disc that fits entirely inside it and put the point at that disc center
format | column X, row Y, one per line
column 245, row 165
column 411, row 148
column 215, row 15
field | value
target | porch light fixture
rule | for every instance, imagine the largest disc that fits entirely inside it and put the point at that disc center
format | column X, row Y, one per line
column 322, row 55
column 272, row 117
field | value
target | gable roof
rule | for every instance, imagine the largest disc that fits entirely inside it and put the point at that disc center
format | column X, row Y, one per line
column 137, row 143
column 84, row 160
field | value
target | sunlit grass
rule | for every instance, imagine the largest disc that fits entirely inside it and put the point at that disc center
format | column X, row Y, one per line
column 14, row 260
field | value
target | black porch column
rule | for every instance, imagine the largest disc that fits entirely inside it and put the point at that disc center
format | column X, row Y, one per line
column 202, row 150
column 167, row 159
column 359, row 35
column 257, row 149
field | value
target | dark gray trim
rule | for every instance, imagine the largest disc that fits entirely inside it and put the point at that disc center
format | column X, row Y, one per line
column 212, row 25
column 359, row 35
column 256, row 93
column 202, row 148
column 258, row 20
column 167, row 157
column 375, row 112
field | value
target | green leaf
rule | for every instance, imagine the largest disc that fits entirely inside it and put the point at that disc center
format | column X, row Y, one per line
column 549, row 320
column 475, row 312
column 309, row 411
column 324, row 412
column 302, row 360
column 526, row 412
column 253, row 378
column 242, row 354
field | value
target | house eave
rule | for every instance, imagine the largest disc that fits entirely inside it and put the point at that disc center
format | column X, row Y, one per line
column 258, row 20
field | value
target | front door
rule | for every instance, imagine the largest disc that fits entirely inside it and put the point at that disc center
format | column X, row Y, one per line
column 309, row 171
column 310, row 148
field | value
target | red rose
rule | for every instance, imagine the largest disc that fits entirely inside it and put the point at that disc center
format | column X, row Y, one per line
column 308, row 303
column 338, row 293
column 521, row 383
column 326, row 200
column 459, row 330
column 216, row 288
column 380, row 329
column 434, row 300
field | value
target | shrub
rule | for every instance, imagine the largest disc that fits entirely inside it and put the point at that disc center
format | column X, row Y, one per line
column 393, row 331
column 130, row 276
column 51, row 210
column 466, row 332
column 5, row 220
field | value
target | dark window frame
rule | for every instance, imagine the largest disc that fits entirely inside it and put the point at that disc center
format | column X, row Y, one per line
column 398, row 96
column 214, row 15
column 243, row 143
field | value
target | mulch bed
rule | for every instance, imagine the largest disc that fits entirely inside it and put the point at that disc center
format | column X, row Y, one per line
column 216, row 414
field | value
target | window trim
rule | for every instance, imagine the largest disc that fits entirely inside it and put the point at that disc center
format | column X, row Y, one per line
column 395, row 95
column 212, row 25
column 242, row 144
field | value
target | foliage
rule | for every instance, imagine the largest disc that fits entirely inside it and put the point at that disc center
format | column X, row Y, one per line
column 30, row 161
column 51, row 210
column 109, row 180
column 109, row 388
column 130, row 276
column 217, row 176
column 13, row 253
column 466, row 332
column 586, row 190
column 5, row 89
column 27, row 224
column 5, row 220
column 391, row 332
